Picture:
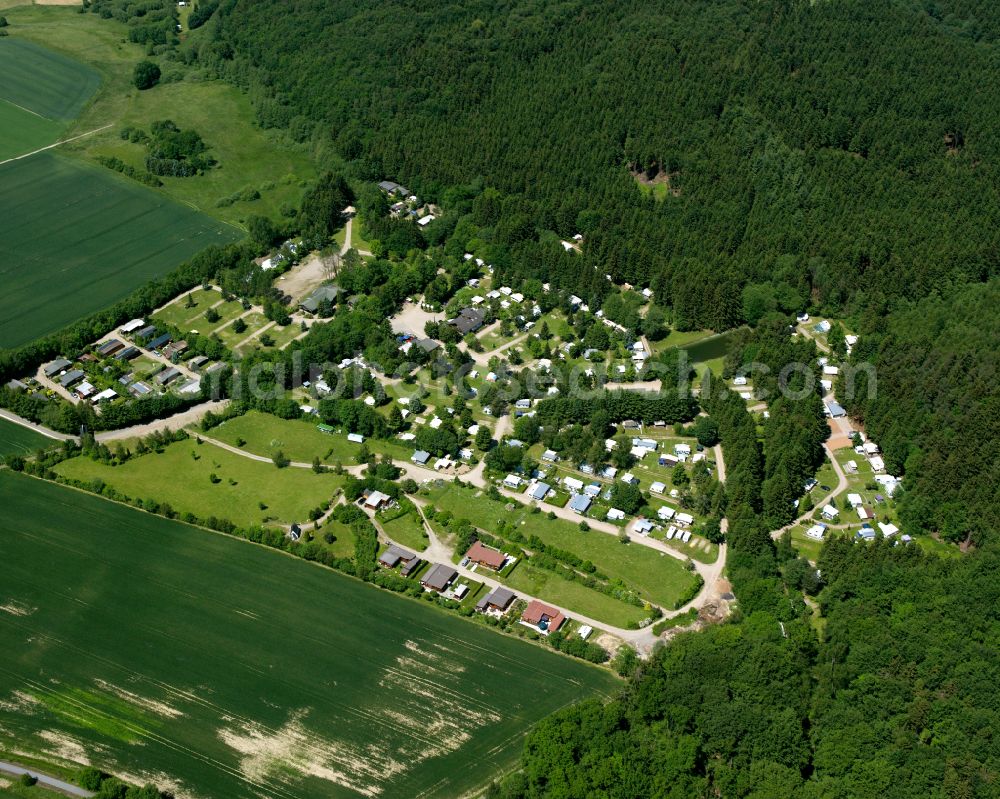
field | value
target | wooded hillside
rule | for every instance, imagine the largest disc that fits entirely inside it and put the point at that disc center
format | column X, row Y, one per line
column 841, row 150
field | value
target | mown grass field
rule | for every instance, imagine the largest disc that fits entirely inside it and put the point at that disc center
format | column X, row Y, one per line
column 177, row 478
column 18, row 439
column 218, row 668
column 78, row 237
column 658, row 577
column 299, row 439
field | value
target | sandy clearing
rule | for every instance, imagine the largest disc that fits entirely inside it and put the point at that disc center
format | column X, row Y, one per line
column 302, row 279
column 413, row 318
column 19, row 702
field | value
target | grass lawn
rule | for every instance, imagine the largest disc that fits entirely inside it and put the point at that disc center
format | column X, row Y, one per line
column 658, row 577
column 574, row 596
column 79, row 237
column 177, row 478
column 343, row 544
column 406, row 530
column 217, row 668
column 299, row 439
column 255, row 321
column 19, row 439
column 248, row 156
column 808, row 547
column 188, row 319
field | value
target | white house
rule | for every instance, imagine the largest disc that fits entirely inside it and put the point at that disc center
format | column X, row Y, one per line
column 630, row 478
column 615, row 515
column 829, row 512
column 658, row 487
column 888, row 529
column 816, row 531
column 666, row 513
column 855, row 500
column 512, row 481
column 684, row 519
column 572, row 484
column 877, row 464
column 355, row 438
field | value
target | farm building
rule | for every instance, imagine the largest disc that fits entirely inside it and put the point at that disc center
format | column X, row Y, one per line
column 438, row 577
column 486, row 556
column 545, row 617
column 498, row 600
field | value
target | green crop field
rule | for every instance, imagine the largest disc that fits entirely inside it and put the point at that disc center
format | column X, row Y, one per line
column 43, row 81
column 288, row 494
column 22, row 132
column 77, row 238
column 219, row 668
column 41, row 92
column 20, row 439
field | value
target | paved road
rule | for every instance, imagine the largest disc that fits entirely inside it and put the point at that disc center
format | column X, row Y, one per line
column 44, row 779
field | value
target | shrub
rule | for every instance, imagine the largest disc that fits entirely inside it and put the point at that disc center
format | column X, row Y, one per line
column 146, row 75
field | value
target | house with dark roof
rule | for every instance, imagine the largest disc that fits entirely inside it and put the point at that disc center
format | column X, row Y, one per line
column 498, row 601
column 397, row 556
column 428, row 345
column 486, row 556
column 109, row 348
column 323, row 293
column 68, row 379
column 159, row 341
column 438, row 577
column 54, row 368
column 469, row 320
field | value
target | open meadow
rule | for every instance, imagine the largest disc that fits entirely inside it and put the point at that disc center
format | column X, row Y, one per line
column 218, row 668
column 78, row 237
column 246, row 492
column 300, row 439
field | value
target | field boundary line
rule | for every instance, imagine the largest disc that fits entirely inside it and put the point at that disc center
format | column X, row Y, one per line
column 63, row 141
column 28, row 110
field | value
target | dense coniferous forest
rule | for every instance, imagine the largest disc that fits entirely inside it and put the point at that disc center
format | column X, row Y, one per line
column 844, row 151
